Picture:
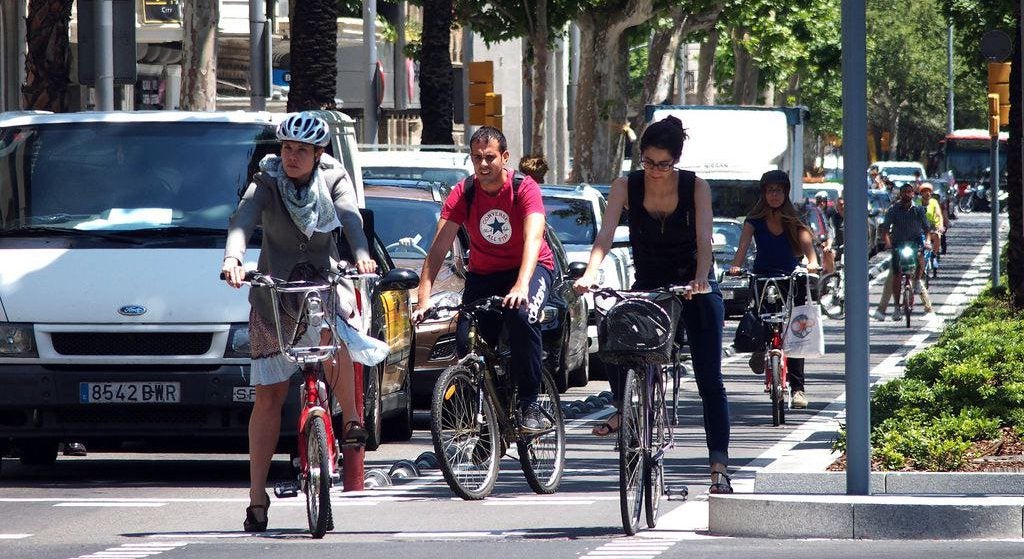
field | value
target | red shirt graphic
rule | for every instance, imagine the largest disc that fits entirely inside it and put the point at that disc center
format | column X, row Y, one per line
column 495, row 227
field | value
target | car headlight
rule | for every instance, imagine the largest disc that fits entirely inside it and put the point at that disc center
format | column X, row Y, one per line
column 907, row 251
column 238, row 341
column 17, row 340
column 445, row 299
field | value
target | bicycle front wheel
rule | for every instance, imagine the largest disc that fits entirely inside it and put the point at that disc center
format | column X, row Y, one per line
column 661, row 435
column 542, row 455
column 464, row 429
column 778, row 401
column 632, row 438
column 908, row 301
column 831, row 296
column 318, row 480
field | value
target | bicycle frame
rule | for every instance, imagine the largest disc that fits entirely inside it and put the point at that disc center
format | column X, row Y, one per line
column 771, row 293
column 904, row 275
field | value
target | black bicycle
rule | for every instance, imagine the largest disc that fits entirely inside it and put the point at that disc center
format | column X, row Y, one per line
column 475, row 416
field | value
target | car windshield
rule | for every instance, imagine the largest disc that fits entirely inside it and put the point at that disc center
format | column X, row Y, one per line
column 733, row 197
column 112, row 176
column 572, row 219
column 900, row 171
column 449, row 177
column 406, row 227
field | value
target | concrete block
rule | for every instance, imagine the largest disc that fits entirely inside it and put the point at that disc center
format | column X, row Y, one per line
column 962, row 518
column 959, row 483
column 811, row 483
column 779, row 516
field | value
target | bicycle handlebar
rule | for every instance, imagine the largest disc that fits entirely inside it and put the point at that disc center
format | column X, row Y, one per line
column 492, row 304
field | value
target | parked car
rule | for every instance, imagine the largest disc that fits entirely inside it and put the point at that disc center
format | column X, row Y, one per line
column 406, row 214
column 726, row 241
column 106, row 294
column 900, row 172
column 447, row 168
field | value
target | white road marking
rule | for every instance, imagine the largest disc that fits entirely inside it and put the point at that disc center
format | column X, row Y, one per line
column 134, row 550
column 645, row 545
column 108, row 504
column 14, row 536
column 451, row 535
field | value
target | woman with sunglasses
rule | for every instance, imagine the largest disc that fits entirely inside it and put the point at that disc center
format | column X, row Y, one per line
column 670, row 233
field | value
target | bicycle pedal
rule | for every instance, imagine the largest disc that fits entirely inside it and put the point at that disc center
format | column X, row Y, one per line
column 286, row 489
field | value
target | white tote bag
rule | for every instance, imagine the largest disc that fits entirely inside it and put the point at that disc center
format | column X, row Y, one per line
column 804, row 336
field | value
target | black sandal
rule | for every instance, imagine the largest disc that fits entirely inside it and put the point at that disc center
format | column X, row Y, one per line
column 354, row 434
column 723, row 485
column 253, row 521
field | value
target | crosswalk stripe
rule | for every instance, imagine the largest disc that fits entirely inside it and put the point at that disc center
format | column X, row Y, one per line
column 14, row 536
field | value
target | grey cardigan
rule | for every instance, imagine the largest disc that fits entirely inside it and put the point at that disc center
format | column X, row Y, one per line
column 284, row 245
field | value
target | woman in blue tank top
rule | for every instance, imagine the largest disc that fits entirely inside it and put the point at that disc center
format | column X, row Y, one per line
column 782, row 240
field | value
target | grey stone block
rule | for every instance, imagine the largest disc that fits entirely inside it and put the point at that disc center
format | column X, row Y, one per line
column 962, row 483
column 779, row 516
column 893, row 520
column 811, row 483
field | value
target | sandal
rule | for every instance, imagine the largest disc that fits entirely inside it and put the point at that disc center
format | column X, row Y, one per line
column 355, row 434
column 605, row 428
column 723, row 485
column 256, row 516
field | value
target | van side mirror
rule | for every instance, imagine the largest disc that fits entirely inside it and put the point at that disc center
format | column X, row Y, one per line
column 399, row 279
column 621, row 238
column 577, row 269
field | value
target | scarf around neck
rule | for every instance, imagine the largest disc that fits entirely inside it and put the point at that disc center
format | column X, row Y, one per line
column 311, row 208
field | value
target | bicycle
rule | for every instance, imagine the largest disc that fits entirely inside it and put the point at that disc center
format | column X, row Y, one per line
column 774, row 306
column 832, row 290
column 904, row 275
column 645, row 428
column 318, row 452
column 474, row 415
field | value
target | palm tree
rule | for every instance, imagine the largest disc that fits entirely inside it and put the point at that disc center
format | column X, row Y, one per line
column 314, row 55
column 436, row 79
column 48, row 61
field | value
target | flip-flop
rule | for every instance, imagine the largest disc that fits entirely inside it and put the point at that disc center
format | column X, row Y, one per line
column 607, row 428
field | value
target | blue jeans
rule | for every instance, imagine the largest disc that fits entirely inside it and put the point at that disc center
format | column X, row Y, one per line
column 524, row 337
column 702, row 319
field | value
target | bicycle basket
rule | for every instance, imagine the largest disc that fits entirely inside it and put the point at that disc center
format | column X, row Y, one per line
column 640, row 327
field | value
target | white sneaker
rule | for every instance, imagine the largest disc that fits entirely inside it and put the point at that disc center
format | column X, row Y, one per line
column 878, row 315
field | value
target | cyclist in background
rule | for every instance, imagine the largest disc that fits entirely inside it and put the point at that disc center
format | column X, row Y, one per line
column 782, row 241
column 670, row 233
column 904, row 223
column 503, row 214
column 933, row 211
column 299, row 199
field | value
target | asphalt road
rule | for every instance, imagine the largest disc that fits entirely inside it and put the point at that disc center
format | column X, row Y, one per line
column 141, row 503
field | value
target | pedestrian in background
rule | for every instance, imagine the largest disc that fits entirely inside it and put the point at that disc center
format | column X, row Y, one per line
column 535, row 166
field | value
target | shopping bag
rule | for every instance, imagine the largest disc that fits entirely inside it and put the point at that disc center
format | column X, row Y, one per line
column 804, row 336
column 750, row 333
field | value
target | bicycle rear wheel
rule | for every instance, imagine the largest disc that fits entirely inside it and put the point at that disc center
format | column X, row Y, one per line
column 632, row 437
column 468, row 451
column 318, row 482
column 542, row 455
column 831, row 296
column 778, row 401
column 654, row 473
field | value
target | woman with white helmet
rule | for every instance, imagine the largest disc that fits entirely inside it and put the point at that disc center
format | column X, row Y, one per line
column 298, row 199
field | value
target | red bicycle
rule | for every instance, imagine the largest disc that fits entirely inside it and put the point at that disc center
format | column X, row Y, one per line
column 314, row 308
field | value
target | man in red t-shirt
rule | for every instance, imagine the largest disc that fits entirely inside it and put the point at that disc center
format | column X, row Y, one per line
column 508, row 257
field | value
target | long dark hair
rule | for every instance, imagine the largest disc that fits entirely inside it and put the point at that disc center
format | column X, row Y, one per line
column 667, row 134
column 791, row 222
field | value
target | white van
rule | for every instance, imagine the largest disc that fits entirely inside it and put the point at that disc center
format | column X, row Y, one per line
column 113, row 323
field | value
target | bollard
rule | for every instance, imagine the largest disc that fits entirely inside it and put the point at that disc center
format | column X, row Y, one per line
column 427, row 461
column 376, row 478
column 404, row 469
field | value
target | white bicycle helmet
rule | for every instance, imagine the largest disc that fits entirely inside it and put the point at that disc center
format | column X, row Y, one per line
column 304, row 127
column 821, row 195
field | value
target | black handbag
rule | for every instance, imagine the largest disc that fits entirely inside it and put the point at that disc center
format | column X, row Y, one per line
column 750, row 333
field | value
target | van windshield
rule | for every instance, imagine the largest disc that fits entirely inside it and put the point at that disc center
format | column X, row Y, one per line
column 105, row 176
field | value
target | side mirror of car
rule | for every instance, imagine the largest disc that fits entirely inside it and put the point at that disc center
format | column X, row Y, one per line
column 621, row 238
column 399, row 279
column 577, row 269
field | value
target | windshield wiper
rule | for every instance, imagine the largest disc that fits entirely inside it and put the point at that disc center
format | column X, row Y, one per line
column 36, row 231
column 179, row 231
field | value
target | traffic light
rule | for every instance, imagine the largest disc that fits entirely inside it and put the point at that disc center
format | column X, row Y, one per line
column 999, row 85
column 485, row 107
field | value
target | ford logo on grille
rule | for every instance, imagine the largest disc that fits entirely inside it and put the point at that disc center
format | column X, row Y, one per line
column 132, row 310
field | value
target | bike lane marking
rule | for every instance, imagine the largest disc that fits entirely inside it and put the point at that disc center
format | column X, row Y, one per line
column 14, row 536
column 133, row 550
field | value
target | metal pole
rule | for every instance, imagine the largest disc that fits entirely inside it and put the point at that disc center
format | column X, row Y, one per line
column 949, row 66
column 467, row 57
column 258, row 45
column 993, row 186
column 370, row 49
column 104, row 54
column 855, row 161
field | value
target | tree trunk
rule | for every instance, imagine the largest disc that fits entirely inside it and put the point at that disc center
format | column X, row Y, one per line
column 706, row 68
column 661, row 63
column 436, row 79
column 601, row 101
column 48, row 60
column 199, row 56
column 1015, row 182
column 539, row 39
column 314, row 56
column 748, row 73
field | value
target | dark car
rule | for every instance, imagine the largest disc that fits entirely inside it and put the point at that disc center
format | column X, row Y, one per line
column 566, row 345
column 735, row 290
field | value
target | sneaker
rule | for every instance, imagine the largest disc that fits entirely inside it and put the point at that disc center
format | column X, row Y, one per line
column 897, row 314
column 799, row 400
column 533, row 419
column 878, row 315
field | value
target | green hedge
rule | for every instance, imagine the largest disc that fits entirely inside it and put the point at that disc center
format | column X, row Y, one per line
column 962, row 389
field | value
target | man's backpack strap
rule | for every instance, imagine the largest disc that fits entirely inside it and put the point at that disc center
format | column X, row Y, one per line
column 468, row 189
